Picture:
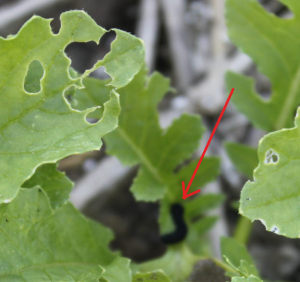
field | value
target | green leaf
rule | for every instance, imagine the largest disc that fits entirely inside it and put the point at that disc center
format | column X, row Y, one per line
column 118, row 270
column 243, row 157
column 42, row 127
column 195, row 206
column 202, row 204
column 55, row 183
column 196, row 238
column 155, row 276
column 95, row 92
column 208, row 171
column 41, row 244
column 237, row 257
column 251, row 278
column 140, row 140
column 126, row 58
column 276, row 183
column 273, row 43
column 235, row 253
column 177, row 263
column 204, row 224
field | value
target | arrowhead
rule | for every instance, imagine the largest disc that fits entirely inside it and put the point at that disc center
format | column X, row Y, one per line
column 185, row 194
column 185, row 191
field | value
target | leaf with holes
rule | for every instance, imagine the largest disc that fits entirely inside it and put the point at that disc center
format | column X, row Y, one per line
column 37, row 124
column 41, row 244
column 273, row 197
column 273, row 43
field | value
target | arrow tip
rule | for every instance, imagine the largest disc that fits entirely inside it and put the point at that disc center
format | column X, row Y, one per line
column 185, row 194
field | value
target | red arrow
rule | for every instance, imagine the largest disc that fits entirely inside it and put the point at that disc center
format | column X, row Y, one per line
column 186, row 190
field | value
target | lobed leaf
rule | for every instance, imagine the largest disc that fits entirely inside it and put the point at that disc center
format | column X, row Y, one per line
column 273, row 43
column 40, row 126
column 140, row 140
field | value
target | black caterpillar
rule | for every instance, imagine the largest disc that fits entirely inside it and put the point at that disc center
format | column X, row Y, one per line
column 181, row 229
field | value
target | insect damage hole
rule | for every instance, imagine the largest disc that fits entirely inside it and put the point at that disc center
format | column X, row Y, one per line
column 32, row 82
column 94, row 116
column 84, row 55
column 272, row 157
column 274, row 229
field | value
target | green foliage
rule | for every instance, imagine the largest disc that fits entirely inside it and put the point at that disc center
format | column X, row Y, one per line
column 157, row 276
column 243, row 157
column 54, row 183
column 42, row 244
column 276, row 183
column 46, row 107
column 177, row 263
column 42, row 237
column 198, row 221
column 140, row 140
column 273, row 43
column 203, row 204
column 240, row 264
column 42, row 127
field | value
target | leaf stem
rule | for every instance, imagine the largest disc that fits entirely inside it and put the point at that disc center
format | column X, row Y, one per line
column 243, row 230
column 223, row 265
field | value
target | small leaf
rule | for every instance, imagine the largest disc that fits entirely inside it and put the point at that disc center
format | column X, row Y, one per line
column 140, row 140
column 243, row 157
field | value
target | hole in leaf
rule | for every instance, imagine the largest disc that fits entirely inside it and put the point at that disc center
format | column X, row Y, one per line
column 93, row 117
column 275, row 229
column 271, row 157
column 32, row 83
column 84, row 55
column 277, row 8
